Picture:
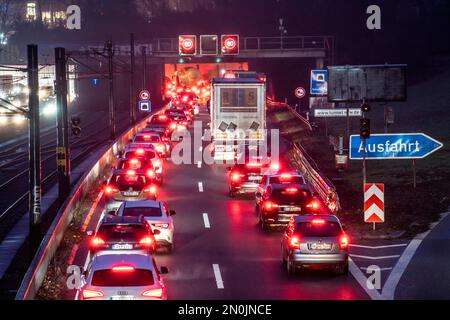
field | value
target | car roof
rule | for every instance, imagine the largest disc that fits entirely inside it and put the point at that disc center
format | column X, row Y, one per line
column 147, row 134
column 310, row 217
column 142, row 204
column 108, row 261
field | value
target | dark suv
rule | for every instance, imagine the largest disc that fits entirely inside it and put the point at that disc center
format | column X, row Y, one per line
column 282, row 202
column 123, row 233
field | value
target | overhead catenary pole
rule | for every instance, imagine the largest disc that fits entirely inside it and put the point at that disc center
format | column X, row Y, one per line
column 112, row 116
column 144, row 67
column 35, row 174
column 63, row 153
column 132, row 83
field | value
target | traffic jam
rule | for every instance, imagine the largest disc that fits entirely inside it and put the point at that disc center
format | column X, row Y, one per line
column 137, row 227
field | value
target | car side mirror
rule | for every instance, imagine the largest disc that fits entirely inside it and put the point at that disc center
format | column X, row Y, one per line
column 156, row 232
column 172, row 212
column 164, row 270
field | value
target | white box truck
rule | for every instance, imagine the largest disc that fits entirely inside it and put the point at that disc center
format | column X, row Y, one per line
column 238, row 114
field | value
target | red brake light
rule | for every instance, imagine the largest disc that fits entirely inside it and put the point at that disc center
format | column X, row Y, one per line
column 134, row 161
column 236, row 176
column 173, row 126
column 89, row 294
column 140, row 151
column 344, row 241
column 147, row 137
column 123, row 269
column 286, row 177
column 162, row 117
column 291, row 190
column 109, row 190
column 151, row 174
column 313, row 205
column 155, row 293
column 97, row 242
column 254, row 165
column 318, row 221
column 161, row 225
column 294, row 242
column 147, row 241
column 269, row 205
column 131, row 173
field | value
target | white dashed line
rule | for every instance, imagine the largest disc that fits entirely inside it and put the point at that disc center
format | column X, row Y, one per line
column 206, row 221
column 200, row 149
column 199, row 164
column 374, row 258
column 381, row 269
column 200, row 187
column 218, row 276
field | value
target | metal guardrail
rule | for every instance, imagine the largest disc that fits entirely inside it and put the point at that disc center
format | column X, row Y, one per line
column 311, row 172
column 310, row 169
column 96, row 171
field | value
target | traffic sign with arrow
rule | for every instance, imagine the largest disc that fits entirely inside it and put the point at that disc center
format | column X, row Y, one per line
column 394, row 146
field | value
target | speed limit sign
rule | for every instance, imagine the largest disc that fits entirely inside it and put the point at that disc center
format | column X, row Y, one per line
column 300, row 92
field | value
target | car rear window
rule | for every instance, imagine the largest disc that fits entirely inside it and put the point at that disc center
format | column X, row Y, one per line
column 293, row 180
column 147, row 139
column 134, row 165
column 148, row 154
column 144, row 211
column 327, row 229
column 131, row 233
column 283, row 196
column 125, row 181
column 157, row 120
column 134, row 278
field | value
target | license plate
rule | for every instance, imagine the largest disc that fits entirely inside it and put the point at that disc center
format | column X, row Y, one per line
column 123, row 298
column 131, row 194
column 122, row 247
column 319, row 246
column 254, row 178
column 291, row 209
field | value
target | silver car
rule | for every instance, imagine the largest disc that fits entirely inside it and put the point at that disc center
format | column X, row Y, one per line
column 157, row 216
column 312, row 241
column 124, row 276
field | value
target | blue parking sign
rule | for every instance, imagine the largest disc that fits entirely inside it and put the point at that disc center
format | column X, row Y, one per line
column 145, row 106
column 319, row 82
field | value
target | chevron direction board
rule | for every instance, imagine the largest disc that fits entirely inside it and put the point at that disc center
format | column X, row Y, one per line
column 374, row 202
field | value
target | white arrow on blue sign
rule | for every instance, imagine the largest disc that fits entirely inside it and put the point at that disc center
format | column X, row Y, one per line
column 394, row 146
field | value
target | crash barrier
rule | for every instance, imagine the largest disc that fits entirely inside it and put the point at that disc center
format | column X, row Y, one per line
column 97, row 168
column 320, row 182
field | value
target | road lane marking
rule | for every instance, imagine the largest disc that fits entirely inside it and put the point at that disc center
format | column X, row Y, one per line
column 392, row 281
column 218, row 276
column 362, row 280
column 381, row 269
column 199, row 164
column 374, row 258
column 91, row 212
column 379, row 247
column 200, row 187
column 200, row 149
column 206, row 221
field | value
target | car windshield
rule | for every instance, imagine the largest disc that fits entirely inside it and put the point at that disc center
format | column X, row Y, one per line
column 295, row 196
column 125, row 232
column 327, row 229
column 125, row 181
column 290, row 180
column 132, row 278
column 147, row 138
column 144, row 211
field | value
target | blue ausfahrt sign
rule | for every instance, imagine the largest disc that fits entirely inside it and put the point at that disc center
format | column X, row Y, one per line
column 319, row 82
column 394, row 146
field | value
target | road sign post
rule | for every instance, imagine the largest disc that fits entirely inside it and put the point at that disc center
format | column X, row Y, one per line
column 112, row 114
column 132, row 80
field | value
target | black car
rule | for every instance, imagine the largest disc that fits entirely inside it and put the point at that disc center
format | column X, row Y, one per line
column 123, row 234
column 281, row 202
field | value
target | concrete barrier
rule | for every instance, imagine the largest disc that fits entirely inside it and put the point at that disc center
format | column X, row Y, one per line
column 96, row 168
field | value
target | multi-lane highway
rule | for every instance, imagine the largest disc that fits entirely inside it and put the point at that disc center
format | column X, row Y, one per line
column 220, row 250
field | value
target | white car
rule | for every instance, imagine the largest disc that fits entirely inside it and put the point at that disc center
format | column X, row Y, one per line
column 158, row 217
column 122, row 276
column 154, row 139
